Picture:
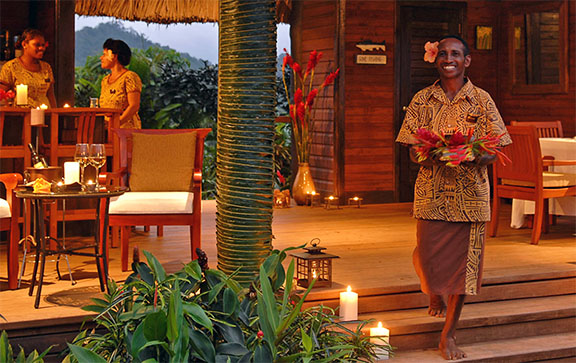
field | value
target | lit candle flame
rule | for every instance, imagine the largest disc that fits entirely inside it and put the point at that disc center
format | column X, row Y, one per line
column 90, row 182
column 43, row 107
column 356, row 198
column 379, row 325
column 314, row 274
column 349, row 289
column 313, row 193
column 66, row 105
column 331, row 197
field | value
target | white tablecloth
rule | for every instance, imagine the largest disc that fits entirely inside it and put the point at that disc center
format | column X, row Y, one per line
column 561, row 149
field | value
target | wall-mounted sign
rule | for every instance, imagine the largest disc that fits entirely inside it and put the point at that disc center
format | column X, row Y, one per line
column 370, row 59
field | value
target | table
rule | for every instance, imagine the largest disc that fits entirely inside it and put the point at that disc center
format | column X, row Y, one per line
column 560, row 149
column 43, row 245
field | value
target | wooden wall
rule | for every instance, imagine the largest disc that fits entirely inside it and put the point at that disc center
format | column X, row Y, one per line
column 369, row 103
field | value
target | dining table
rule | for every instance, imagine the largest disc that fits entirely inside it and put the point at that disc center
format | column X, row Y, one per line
column 49, row 245
column 560, row 149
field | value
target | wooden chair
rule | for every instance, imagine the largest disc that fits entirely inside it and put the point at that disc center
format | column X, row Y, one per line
column 525, row 178
column 543, row 128
column 82, row 123
column 19, row 151
column 9, row 214
column 136, row 208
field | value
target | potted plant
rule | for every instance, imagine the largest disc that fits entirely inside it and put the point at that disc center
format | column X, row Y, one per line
column 300, row 110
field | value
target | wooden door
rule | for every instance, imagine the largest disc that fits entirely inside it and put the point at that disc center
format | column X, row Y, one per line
column 418, row 23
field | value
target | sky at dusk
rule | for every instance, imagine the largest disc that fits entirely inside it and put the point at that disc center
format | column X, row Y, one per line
column 200, row 40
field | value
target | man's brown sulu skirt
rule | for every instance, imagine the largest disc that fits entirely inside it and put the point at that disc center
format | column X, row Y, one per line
column 448, row 256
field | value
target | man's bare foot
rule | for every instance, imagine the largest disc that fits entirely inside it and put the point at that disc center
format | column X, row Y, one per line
column 450, row 350
column 437, row 307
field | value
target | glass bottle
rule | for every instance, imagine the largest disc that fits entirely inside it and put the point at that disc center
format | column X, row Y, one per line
column 38, row 161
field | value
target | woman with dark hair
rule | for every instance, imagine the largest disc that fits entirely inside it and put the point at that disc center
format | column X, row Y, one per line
column 121, row 88
column 31, row 70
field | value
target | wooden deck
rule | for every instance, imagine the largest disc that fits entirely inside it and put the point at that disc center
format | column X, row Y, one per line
column 374, row 243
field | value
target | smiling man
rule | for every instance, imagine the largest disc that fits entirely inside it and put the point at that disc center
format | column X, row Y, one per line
column 451, row 203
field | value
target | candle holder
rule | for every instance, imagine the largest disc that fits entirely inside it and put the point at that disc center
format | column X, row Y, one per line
column 355, row 201
column 331, row 200
column 90, row 186
column 312, row 199
column 281, row 198
column 314, row 265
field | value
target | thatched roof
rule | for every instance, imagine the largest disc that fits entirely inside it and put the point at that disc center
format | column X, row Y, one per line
column 165, row 11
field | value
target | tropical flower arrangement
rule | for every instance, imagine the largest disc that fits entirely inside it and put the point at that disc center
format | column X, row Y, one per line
column 456, row 148
column 304, row 96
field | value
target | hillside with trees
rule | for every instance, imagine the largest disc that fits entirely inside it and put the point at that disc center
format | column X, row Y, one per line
column 89, row 42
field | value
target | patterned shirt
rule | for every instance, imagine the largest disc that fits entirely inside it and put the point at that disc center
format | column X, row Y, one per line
column 461, row 193
column 115, row 95
column 13, row 73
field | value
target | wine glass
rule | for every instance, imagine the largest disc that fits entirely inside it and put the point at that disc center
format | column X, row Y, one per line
column 97, row 159
column 81, row 157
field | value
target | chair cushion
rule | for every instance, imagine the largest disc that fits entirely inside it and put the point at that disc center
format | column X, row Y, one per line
column 162, row 162
column 551, row 180
column 152, row 203
column 4, row 209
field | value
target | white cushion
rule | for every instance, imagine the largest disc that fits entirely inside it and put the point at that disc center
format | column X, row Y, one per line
column 549, row 180
column 4, row 209
column 152, row 203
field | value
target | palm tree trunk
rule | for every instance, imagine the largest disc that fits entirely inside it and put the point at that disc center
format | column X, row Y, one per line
column 246, row 106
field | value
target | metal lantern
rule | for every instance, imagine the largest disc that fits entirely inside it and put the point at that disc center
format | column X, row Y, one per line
column 314, row 264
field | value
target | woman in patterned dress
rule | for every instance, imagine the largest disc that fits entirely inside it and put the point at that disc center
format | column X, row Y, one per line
column 31, row 70
column 121, row 88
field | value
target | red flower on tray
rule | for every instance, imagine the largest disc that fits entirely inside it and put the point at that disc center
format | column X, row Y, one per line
column 456, row 148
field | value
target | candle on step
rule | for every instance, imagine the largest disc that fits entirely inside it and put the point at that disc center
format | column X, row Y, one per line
column 380, row 336
column 21, row 94
column 348, row 305
column 71, row 172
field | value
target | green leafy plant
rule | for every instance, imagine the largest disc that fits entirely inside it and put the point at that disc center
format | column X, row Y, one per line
column 7, row 354
column 202, row 315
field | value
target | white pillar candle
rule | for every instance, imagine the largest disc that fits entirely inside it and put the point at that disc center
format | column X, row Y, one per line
column 71, row 172
column 37, row 116
column 348, row 305
column 21, row 94
column 380, row 336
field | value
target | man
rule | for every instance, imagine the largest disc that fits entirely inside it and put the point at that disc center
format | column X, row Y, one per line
column 451, row 204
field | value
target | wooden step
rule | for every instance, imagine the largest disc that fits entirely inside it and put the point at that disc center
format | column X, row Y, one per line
column 410, row 297
column 415, row 329
column 561, row 347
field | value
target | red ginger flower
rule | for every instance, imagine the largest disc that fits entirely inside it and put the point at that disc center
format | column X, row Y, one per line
column 311, row 96
column 260, row 334
column 296, row 67
column 331, row 77
column 298, row 96
column 313, row 61
column 301, row 111
column 456, row 139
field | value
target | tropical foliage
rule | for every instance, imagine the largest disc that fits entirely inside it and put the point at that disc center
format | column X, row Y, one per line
column 7, row 353
column 202, row 315
column 176, row 95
